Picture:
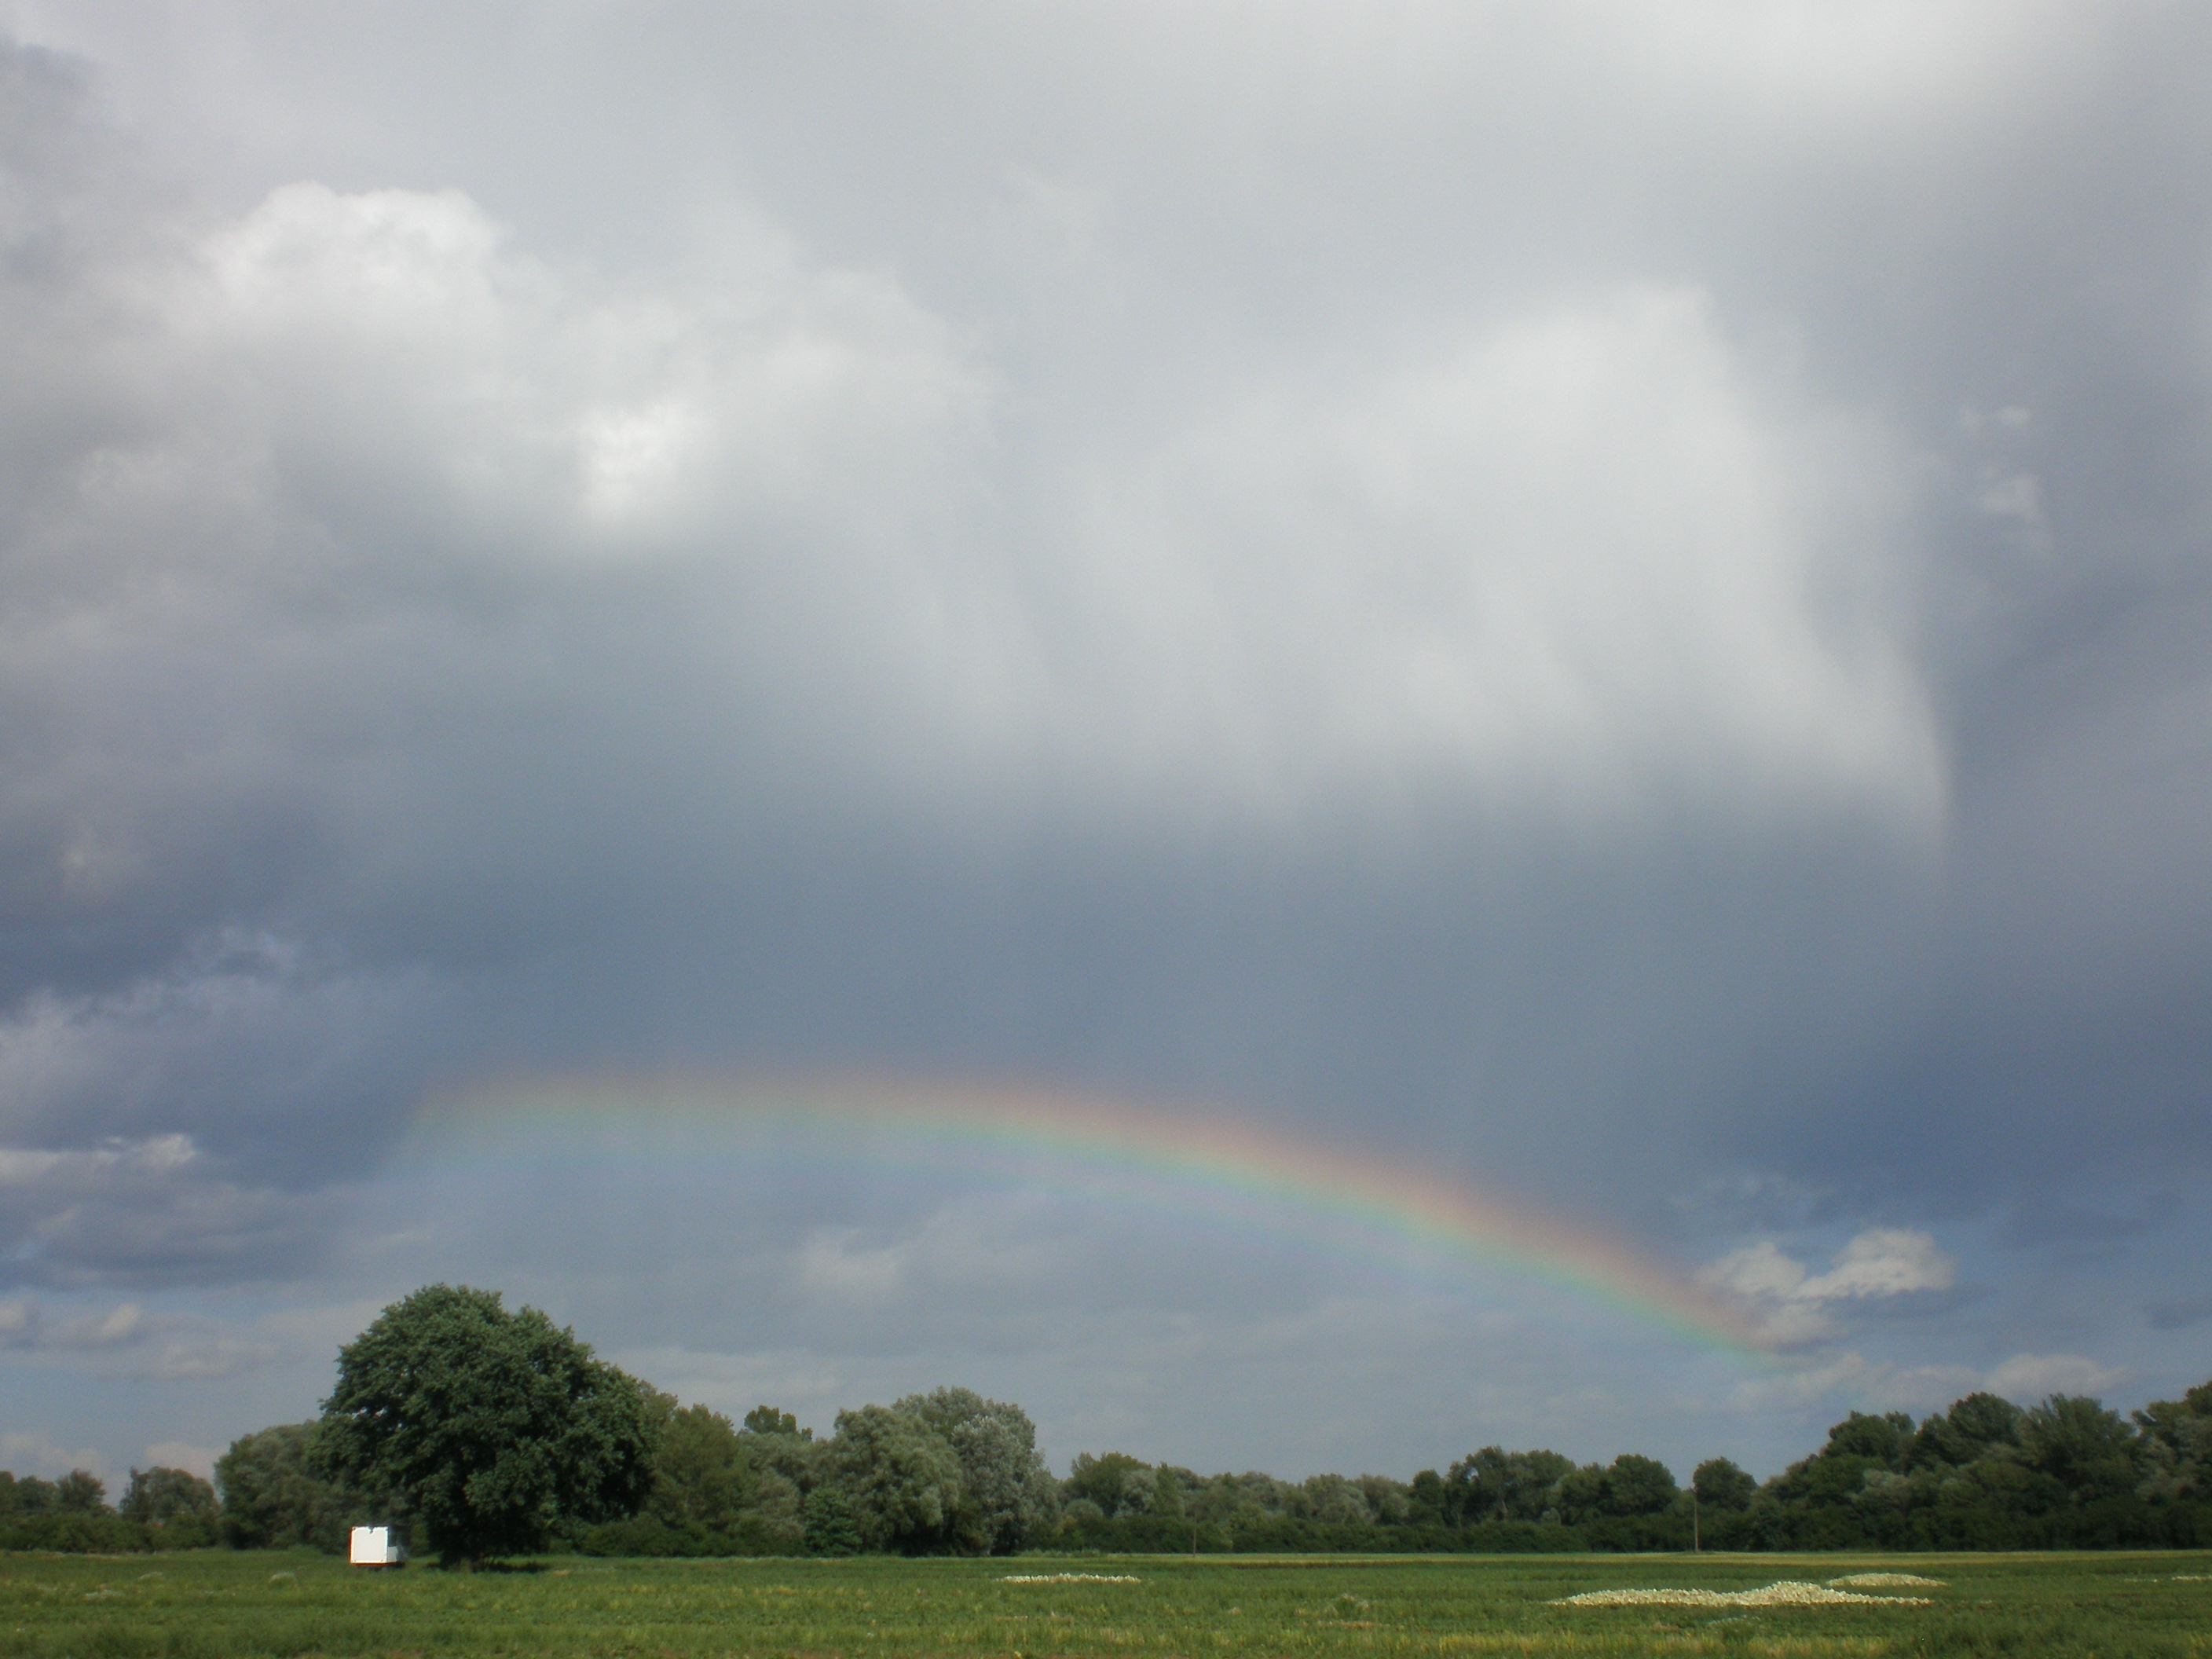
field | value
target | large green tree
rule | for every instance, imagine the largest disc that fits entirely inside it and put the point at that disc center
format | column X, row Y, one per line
column 1496, row 1484
column 490, row 1426
column 901, row 1477
column 76, row 1493
column 2177, row 1444
column 2090, row 1451
column 177, row 1505
column 1007, row 1496
column 700, row 1474
column 1720, row 1485
column 1108, row 1480
column 767, row 1419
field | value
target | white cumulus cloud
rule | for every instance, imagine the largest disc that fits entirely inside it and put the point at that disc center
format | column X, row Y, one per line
column 1886, row 1262
column 1794, row 1305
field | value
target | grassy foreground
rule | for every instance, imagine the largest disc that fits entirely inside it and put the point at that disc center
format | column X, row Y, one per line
column 249, row 1603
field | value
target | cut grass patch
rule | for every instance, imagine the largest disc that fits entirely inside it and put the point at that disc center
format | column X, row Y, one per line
column 1785, row 1593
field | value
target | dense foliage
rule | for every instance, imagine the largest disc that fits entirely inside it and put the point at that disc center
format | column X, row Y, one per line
column 489, row 1428
column 481, row 1432
column 275, row 1496
column 1989, row 1474
column 951, row 1472
column 164, row 1508
column 946, row 1473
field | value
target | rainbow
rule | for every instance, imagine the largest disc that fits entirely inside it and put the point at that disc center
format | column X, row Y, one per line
column 1263, row 1180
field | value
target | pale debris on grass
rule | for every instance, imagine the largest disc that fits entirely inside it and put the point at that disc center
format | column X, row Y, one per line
column 1070, row 1578
column 1888, row 1581
column 1789, row 1593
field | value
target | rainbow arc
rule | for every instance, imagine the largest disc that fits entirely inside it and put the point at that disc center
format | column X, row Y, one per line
column 1266, row 1179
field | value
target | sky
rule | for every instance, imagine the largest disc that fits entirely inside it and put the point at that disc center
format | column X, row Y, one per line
column 611, row 614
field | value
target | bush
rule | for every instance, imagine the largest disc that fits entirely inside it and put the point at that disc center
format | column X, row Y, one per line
column 75, row 1532
column 273, row 1498
column 1137, row 1534
column 648, row 1535
column 832, row 1527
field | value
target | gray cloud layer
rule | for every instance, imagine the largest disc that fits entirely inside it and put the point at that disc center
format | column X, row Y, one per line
column 1613, row 601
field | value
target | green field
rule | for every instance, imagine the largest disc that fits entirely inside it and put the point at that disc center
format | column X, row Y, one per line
column 218, row 1602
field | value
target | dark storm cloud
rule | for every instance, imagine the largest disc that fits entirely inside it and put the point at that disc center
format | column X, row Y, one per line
column 2179, row 1315
column 1616, row 605
column 146, row 1212
column 578, row 637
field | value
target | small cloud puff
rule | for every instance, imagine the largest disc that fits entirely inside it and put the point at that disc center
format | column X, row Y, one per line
column 1887, row 1261
column 201, row 1357
column 961, row 1246
column 181, row 1454
column 22, row 1166
column 24, row 1325
column 833, row 1263
column 1792, row 1303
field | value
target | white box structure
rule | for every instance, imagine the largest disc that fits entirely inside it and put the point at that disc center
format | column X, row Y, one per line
column 375, row 1546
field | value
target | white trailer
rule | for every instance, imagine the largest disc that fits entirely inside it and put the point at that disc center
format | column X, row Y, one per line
column 377, row 1546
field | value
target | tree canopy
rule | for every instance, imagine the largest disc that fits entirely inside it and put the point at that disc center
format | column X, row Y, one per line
column 272, row 1496
column 488, row 1427
column 176, row 1502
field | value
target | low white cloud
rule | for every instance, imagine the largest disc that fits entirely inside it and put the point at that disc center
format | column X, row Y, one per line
column 963, row 1247
column 832, row 1263
column 1794, row 1305
column 38, row 1454
column 1850, row 1380
column 501, row 385
column 812, row 1387
column 200, row 1357
column 28, row 1325
column 20, row 1166
column 2028, row 1377
column 1886, row 1262
column 182, row 1455
column 1757, row 1271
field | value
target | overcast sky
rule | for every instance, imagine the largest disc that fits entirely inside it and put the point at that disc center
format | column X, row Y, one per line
column 1606, row 602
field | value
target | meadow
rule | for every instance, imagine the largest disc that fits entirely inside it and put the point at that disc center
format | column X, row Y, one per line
column 251, row 1602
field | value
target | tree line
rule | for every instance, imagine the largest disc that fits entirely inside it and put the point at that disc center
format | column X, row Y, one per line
column 484, row 1432
column 160, row 1509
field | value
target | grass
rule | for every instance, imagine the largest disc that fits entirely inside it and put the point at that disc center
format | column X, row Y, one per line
column 217, row 1603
